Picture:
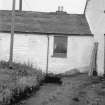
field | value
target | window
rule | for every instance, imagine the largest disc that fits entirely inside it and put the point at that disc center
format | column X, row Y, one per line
column 60, row 46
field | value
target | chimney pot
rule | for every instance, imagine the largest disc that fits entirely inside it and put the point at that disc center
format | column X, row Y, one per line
column 62, row 8
column 58, row 8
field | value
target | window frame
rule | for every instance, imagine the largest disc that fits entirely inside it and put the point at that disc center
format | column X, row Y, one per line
column 60, row 55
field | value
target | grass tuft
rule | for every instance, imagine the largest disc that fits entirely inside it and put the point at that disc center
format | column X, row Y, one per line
column 18, row 82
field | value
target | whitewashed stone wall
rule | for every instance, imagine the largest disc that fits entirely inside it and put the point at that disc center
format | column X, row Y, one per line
column 33, row 49
column 96, row 19
column 78, row 55
column 29, row 49
column 4, row 46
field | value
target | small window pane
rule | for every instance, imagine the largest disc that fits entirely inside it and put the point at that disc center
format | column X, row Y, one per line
column 60, row 46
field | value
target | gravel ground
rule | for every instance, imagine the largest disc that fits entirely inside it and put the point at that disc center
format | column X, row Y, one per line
column 75, row 90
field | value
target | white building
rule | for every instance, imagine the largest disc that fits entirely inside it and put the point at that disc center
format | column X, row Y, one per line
column 70, row 40
column 95, row 13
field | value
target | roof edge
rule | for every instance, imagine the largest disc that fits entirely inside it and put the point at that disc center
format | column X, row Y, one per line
column 52, row 13
column 49, row 33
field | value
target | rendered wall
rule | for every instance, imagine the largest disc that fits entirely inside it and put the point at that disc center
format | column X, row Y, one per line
column 30, row 49
column 96, row 19
column 33, row 49
column 78, row 55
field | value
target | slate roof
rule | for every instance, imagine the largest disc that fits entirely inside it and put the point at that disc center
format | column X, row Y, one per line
column 45, row 23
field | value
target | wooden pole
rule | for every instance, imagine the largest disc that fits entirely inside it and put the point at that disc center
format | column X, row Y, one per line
column 104, row 53
column 47, row 56
column 93, row 63
column 20, row 5
column 12, row 34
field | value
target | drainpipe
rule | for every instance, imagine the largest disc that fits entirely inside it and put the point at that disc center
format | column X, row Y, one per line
column 47, row 65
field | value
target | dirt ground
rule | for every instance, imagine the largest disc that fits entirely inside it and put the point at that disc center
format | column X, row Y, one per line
column 75, row 90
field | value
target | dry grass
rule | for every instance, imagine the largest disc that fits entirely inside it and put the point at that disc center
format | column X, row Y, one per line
column 18, row 81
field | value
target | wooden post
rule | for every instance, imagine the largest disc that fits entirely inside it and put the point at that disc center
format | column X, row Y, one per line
column 104, row 54
column 12, row 34
column 20, row 5
column 93, row 63
column 47, row 56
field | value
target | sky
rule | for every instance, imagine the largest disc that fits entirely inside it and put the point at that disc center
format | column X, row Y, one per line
column 70, row 6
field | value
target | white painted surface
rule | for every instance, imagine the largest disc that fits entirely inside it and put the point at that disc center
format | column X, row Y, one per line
column 96, row 19
column 78, row 54
column 4, row 46
column 29, row 49
column 33, row 49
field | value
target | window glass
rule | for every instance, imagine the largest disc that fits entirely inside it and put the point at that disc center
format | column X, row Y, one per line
column 60, row 46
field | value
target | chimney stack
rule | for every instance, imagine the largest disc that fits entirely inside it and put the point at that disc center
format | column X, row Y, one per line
column 58, row 8
column 20, row 5
column 62, row 8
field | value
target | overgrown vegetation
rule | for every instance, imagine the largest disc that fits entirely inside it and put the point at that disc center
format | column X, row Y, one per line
column 18, row 82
